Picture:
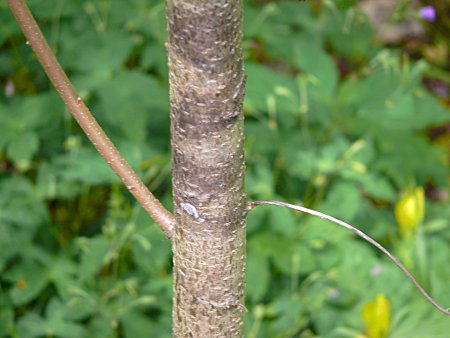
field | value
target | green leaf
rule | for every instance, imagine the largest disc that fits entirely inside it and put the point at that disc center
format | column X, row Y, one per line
column 304, row 164
column 39, row 112
column 428, row 111
column 304, row 260
column 374, row 185
column 154, row 56
column 29, row 280
column 100, row 327
column 135, row 323
column 290, row 257
column 350, row 33
column 95, row 52
column 20, row 205
column 5, row 127
column 86, row 165
column 368, row 96
column 343, row 201
column 51, row 182
column 282, row 221
column 93, row 258
column 22, row 148
column 276, row 25
column 54, row 323
column 6, row 319
column 313, row 60
column 289, row 317
column 62, row 273
column 260, row 182
column 261, row 139
column 258, row 276
column 32, row 325
column 268, row 90
column 149, row 241
column 130, row 93
column 407, row 156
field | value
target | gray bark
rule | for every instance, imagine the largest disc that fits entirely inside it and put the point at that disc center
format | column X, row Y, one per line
column 207, row 85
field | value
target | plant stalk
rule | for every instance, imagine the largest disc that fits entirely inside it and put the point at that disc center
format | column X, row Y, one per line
column 85, row 119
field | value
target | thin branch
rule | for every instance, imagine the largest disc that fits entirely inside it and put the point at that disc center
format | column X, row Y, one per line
column 361, row 234
column 85, row 119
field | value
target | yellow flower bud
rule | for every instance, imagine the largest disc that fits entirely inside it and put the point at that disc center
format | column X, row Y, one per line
column 376, row 315
column 410, row 210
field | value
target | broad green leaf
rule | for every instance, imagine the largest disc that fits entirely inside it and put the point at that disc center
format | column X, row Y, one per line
column 154, row 56
column 51, row 182
column 62, row 273
column 343, row 201
column 135, row 323
column 32, row 326
column 350, row 33
column 276, row 25
column 22, row 149
column 261, row 139
column 268, row 90
column 86, row 165
column 93, row 257
column 257, row 219
column 373, row 184
column 406, row 156
column 289, row 317
column 303, row 259
column 29, row 280
column 429, row 111
column 290, row 257
column 149, row 241
column 133, row 94
column 313, row 61
column 20, row 205
column 260, row 183
column 93, row 51
column 282, row 221
column 368, row 96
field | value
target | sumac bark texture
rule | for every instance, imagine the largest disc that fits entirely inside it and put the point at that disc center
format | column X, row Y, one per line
column 207, row 85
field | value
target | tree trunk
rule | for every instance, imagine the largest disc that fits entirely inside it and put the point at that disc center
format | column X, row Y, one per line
column 207, row 85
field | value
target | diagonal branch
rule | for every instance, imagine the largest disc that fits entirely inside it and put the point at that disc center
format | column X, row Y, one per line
column 361, row 234
column 85, row 119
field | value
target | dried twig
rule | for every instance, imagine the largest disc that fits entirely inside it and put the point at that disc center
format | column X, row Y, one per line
column 85, row 119
column 361, row 234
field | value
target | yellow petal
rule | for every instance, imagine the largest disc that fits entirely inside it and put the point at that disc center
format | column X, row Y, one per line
column 376, row 315
column 410, row 210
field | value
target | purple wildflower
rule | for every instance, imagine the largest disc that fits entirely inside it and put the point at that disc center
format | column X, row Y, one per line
column 428, row 13
column 376, row 270
column 333, row 293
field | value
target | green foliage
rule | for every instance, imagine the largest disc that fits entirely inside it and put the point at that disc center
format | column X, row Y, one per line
column 346, row 143
column 79, row 258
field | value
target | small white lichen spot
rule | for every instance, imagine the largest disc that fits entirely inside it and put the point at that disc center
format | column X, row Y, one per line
column 191, row 210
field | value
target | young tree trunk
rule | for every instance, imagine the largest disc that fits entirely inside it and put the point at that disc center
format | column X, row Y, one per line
column 207, row 85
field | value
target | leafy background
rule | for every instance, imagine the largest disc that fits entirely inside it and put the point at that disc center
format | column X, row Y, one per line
column 336, row 120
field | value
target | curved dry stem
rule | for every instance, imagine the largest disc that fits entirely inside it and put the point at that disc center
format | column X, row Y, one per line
column 85, row 119
column 359, row 233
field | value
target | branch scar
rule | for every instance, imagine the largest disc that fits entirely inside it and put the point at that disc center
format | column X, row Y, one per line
column 191, row 210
